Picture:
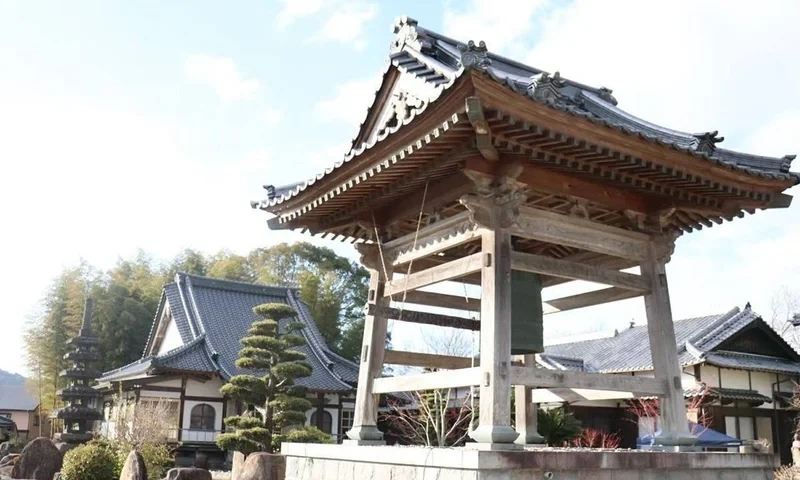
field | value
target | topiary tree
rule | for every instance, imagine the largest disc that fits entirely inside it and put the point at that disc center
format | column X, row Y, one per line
column 274, row 400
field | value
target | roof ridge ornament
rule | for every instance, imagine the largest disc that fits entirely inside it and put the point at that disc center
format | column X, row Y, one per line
column 546, row 88
column 605, row 94
column 786, row 163
column 474, row 56
column 406, row 33
column 707, row 142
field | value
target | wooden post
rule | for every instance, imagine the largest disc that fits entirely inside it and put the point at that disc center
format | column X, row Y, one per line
column 664, row 351
column 496, row 210
column 365, row 430
column 526, row 411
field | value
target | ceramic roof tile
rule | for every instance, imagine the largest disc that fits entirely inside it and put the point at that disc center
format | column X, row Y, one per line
column 435, row 58
column 16, row 397
column 216, row 314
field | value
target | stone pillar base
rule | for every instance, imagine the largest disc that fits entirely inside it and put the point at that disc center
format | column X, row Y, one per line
column 369, row 433
column 494, row 434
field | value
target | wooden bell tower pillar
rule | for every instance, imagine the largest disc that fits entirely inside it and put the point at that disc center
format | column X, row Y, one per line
column 495, row 210
column 365, row 430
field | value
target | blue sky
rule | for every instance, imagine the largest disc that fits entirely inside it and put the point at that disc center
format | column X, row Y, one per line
column 150, row 125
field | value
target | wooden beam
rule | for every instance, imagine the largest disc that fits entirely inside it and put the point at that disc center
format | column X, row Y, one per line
column 440, row 273
column 425, row 318
column 439, row 194
column 543, row 378
column 437, row 237
column 428, row 360
column 443, row 300
column 580, row 233
column 483, row 134
column 577, row 271
column 597, row 297
column 465, row 377
column 556, row 183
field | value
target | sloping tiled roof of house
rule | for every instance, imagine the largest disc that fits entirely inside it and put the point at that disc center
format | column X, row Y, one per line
column 213, row 315
column 697, row 340
column 16, row 397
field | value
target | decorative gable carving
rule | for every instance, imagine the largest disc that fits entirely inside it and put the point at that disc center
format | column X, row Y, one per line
column 400, row 108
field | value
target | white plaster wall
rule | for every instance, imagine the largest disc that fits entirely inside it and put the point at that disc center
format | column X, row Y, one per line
column 158, row 394
column 734, row 378
column 762, row 383
column 210, row 388
column 172, row 338
column 709, row 375
column 174, row 382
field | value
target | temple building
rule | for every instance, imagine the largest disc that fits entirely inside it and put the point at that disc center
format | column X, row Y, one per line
column 191, row 353
column 738, row 375
column 523, row 179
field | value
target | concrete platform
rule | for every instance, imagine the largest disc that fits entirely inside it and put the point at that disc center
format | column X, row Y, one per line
column 345, row 462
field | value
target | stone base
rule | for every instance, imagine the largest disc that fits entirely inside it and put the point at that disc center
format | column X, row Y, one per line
column 494, row 447
column 346, row 462
column 363, row 443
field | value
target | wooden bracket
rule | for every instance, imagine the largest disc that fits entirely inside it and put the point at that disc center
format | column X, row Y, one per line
column 483, row 135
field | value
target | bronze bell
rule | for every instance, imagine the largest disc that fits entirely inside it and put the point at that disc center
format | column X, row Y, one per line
column 527, row 327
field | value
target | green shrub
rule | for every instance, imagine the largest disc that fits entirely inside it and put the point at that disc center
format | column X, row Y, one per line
column 158, row 458
column 558, row 426
column 93, row 461
column 304, row 434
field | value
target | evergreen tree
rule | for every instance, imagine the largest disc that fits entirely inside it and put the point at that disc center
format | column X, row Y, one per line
column 274, row 400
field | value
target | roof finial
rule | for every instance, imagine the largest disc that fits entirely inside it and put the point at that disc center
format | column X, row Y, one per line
column 633, row 323
column 605, row 94
column 407, row 33
column 474, row 56
column 86, row 325
column 546, row 88
column 786, row 163
column 706, row 142
column 747, row 306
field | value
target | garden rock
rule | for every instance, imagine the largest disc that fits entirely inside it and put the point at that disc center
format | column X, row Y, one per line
column 263, row 466
column 39, row 460
column 64, row 447
column 134, row 468
column 188, row 474
column 238, row 465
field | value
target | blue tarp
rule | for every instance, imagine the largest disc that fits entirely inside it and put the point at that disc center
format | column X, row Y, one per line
column 706, row 437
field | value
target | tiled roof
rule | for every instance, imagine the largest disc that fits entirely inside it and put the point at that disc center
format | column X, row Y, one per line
column 215, row 314
column 729, row 394
column 16, row 397
column 437, row 60
column 696, row 339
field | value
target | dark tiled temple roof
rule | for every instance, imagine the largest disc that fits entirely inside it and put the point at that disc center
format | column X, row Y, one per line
column 215, row 314
column 729, row 394
column 698, row 340
column 437, row 60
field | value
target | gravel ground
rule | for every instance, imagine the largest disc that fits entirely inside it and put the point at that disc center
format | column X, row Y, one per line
column 217, row 475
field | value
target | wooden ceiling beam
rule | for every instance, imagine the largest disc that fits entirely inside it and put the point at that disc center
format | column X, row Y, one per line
column 555, row 183
column 440, row 193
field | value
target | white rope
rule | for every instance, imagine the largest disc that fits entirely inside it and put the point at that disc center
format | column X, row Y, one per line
column 413, row 247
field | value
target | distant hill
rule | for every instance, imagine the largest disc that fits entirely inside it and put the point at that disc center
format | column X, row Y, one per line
column 8, row 378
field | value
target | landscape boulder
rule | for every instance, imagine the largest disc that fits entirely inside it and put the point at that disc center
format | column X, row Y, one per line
column 39, row 460
column 190, row 473
column 238, row 465
column 134, row 468
column 263, row 466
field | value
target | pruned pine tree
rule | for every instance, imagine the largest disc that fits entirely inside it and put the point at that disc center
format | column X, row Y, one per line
column 273, row 398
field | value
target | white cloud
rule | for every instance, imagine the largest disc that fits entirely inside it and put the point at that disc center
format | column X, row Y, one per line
column 272, row 116
column 293, row 10
column 349, row 104
column 504, row 25
column 346, row 24
column 222, row 75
